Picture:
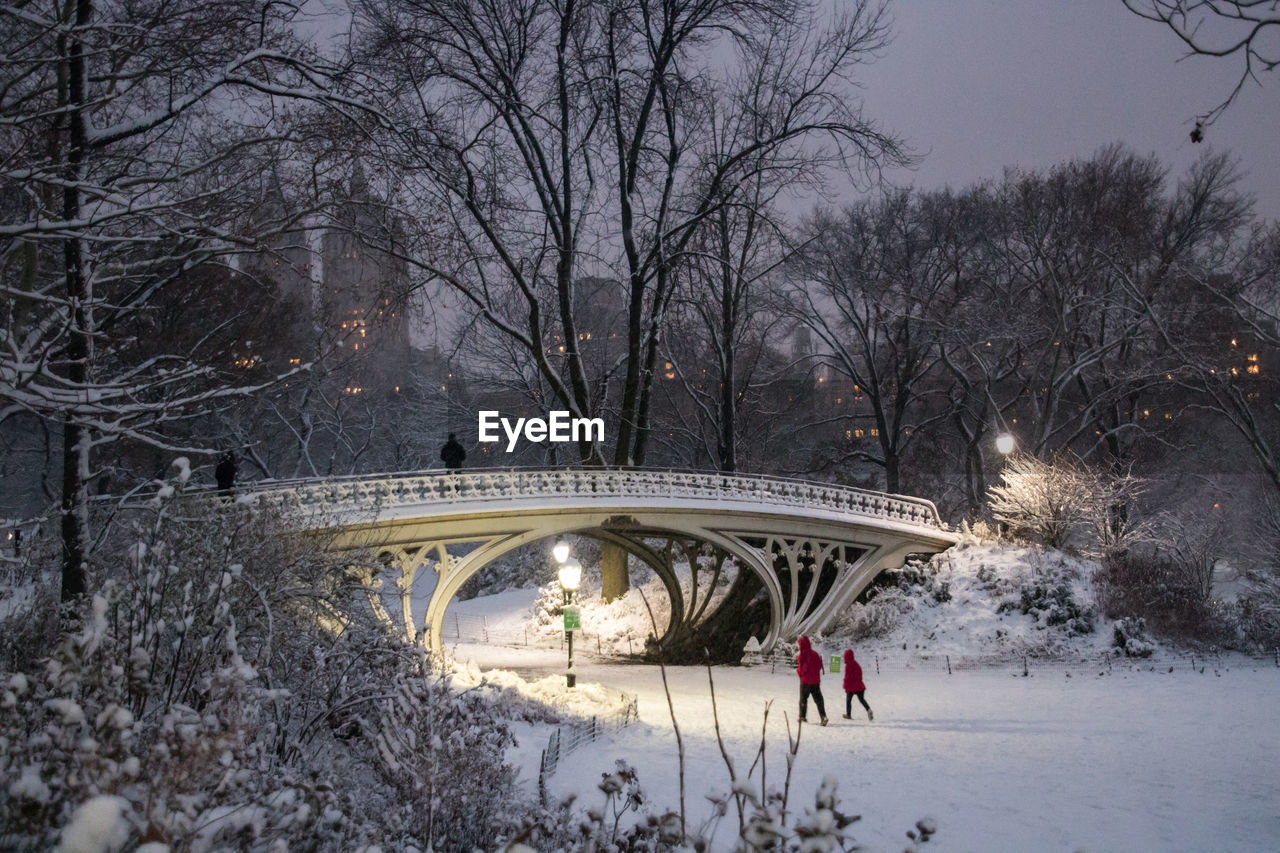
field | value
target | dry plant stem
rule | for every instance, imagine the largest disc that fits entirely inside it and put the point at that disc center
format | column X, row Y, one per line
column 761, row 758
column 724, row 753
column 793, row 747
column 670, row 707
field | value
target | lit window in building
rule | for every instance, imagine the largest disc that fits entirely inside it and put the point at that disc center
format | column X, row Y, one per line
column 1253, row 368
column 875, row 432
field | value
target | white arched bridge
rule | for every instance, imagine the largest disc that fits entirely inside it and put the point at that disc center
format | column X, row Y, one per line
column 808, row 548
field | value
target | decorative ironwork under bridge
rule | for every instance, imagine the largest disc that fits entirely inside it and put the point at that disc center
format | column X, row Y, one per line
column 812, row 547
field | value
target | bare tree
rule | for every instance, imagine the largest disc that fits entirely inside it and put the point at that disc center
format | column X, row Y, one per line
column 541, row 144
column 874, row 281
column 1224, row 338
column 127, row 130
column 1241, row 29
column 726, row 318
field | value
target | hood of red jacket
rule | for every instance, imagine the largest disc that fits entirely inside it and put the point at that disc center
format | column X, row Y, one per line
column 804, row 644
column 848, row 657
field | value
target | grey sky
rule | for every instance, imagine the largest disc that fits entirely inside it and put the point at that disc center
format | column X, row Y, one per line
column 977, row 85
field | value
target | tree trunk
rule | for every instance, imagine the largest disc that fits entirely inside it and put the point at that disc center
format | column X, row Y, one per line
column 614, row 577
column 75, row 436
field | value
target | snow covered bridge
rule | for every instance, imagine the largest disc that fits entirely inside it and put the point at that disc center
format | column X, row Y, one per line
column 812, row 546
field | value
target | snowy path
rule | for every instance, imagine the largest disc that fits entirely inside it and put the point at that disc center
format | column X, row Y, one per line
column 1127, row 762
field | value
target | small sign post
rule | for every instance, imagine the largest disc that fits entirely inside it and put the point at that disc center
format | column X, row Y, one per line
column 572, row 618
column 835, row 664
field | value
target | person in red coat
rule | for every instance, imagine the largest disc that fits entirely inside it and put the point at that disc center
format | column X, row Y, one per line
column 809, row 668
column 853, row 686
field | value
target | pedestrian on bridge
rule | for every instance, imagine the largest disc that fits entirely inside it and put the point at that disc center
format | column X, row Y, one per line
column 854, row 686
column 452, row 453
column 225, row 474
column 809, row 668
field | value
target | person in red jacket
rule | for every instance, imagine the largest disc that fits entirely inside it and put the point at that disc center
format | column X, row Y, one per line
column 809, row 668
column 853, row 686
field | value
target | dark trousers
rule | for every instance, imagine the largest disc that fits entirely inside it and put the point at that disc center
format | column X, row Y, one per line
column 848, row 701
column 814, row 690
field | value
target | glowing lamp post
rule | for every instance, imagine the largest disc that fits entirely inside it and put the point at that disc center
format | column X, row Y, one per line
column 570, row 577
column 560, row 551
column 1004, row 443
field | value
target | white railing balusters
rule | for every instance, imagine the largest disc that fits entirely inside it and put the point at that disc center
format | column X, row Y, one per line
column 389, row 491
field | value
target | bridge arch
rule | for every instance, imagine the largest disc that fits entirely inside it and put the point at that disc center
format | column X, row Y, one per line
column 459, row 570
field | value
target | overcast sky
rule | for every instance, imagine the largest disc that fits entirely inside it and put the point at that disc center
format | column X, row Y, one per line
column 976, row 85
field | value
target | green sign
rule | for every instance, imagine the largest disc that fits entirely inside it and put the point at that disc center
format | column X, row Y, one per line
column 572, row 619
column 835, row 663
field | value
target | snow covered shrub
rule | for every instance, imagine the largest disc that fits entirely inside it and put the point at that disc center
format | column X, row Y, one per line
column 1062, row 502
column 894, row 593
column 29, row 628
column 441, row 754
column 1130, row 637
column 518, row 569
column 870, row 620
column 1170, row 586
column 225, row 690
column 1259, row 602
column 1052, row 601
column 1042, row 501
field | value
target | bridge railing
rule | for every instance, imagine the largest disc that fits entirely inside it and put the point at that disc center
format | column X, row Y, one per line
column 486, row 485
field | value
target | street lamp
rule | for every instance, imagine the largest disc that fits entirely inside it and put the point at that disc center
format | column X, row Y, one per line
column 561, row 550
column 570, row 577
column 1004, row 443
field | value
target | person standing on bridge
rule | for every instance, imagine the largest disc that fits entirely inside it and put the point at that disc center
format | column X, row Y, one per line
column 452, row 453
column 809, row 668
column 854, row 686
column 225, row 474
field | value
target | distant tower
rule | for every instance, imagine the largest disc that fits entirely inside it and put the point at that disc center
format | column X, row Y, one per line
column 364, row 288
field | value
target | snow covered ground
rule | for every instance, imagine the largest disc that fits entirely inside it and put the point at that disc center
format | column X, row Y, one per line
column 1075, row 756
column 1130, row 761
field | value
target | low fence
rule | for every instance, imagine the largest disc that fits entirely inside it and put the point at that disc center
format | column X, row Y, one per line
column 1028, row 664
column 569, row 736
column 468, row 628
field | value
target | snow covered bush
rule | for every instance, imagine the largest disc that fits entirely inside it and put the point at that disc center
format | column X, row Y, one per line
column 1043, row 501
column 1050, row 600
column 620, row 627
column 441, row 756
column 528, row 566
column 1130, row 637
column 1170, row 586
column 1063, row 502
column 977, row 600
column 229, row 689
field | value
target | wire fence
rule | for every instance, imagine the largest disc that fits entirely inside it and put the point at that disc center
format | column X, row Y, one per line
column 469, row 628
column 577, row 733
column 1027, row 664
